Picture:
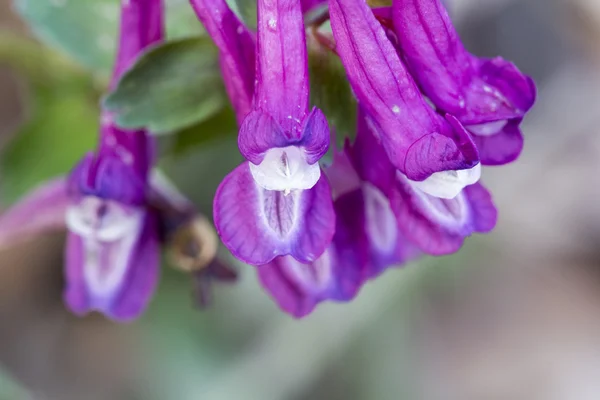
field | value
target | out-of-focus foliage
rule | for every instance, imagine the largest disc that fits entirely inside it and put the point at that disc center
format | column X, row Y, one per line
column 172, row 86
column 330, row 91
column 63, row 117
column 87, row 29
column 246, row 11
column 219, row 127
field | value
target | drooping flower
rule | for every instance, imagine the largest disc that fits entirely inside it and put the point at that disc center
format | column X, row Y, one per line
column 433, row 151
column 112, row 253
column 116, row 210
column 436, row 225
column 367, row 241
column 489, row 97
column 278, row 203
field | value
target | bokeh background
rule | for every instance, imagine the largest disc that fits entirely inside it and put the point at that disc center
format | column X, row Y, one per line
column 515, row 315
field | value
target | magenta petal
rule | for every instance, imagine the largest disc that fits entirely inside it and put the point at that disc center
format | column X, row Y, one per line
column 485, row 214
column 433, row 51
column 315, row 136
column 438, row 152
column 43, row 209
column 388, row 246
column 108, row 177
column 236, row 46
column 475, row 90
column 417, row 141
column 439, row 226
column 502, row 147
column 297, row 288
column 116, row 278
column 425, row 234
column 336, row 275
column 257, row 225
column 281, row 71
column 500, row 91
column 342, row 174
column 259, row 132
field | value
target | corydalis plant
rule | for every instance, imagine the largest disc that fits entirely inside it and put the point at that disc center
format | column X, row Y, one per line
column 278, row 202
column 408, row 183
column 429, row 115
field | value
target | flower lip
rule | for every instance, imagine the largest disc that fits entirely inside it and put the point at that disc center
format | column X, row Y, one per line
column 107, row 231
column 102, row 220
column 448, row 184
column 487, row 129
column 285, row 169
column 314, row 277
column 380, row 222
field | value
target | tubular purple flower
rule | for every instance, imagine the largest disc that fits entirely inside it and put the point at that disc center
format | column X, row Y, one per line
column 366, row 242
column 336, row 275
column 278, row 203
column 426, row 147
column 237, row 54
column 112, row 253
column 436, row 225
column 489, row 97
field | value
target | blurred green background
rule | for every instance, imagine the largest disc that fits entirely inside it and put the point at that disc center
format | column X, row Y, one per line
column 515, row 315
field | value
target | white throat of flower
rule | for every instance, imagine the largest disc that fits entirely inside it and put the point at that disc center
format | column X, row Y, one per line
column 108, row 232
column 285, row 169
column 487, row 129
column 448, row 184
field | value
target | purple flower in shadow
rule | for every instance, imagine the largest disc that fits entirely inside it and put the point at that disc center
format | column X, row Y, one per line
column 434, row 224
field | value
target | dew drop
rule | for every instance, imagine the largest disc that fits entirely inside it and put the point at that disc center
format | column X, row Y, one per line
column 272, row 23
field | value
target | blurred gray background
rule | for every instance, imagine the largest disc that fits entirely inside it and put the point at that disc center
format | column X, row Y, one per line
column 514, row 316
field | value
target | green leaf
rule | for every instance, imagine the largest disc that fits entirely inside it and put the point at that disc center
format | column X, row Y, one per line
column 87, row 29
column 222, row 126
column 172, row 86
column 331, row 92
column 63, row 128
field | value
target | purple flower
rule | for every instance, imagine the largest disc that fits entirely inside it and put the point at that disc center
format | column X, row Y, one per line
column 336, row 275
column 433, row 150
column 112, row 253
column 488, row 96
column 436, row 225
column 366, row 242
column 278, row 203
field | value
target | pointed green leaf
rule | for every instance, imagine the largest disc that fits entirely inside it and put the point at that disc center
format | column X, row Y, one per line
column 172, row 86
column 221, row 126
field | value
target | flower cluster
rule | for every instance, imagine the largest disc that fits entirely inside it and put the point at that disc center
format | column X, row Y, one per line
column 429, row 115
